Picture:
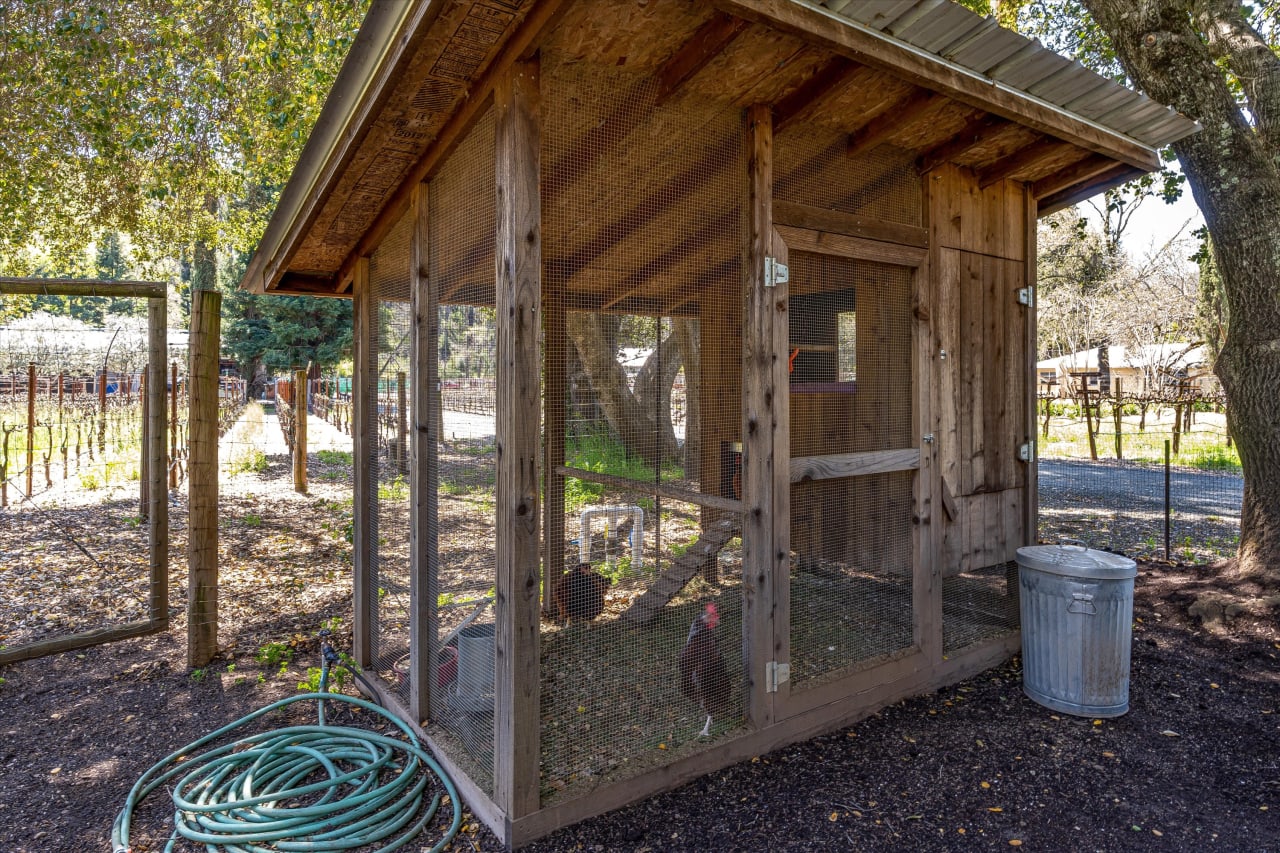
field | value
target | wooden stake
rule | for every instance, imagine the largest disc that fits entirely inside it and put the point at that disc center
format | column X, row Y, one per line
column 202, row 477
column 300, row 431
column 157, row 454
column 31, row 426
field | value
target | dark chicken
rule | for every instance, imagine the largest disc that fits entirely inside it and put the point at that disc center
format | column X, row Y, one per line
column 579, row 594
column 703, row 677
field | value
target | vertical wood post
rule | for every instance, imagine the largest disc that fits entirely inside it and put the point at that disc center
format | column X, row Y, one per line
column 173, row 426
column 60, row 395
column 424, row 588
column 1030, row 218
column 144, row 470
column 1117, row 415
column 300, row 431
column 156, row 453
column 365, row 421
column 518, row 273
column 31, row 426
column 555, row 383
column 202, row 478
column 766, row 480
column 402, row 425
column 102, row 410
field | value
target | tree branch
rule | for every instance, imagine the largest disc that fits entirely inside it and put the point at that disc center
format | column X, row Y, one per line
column 1255, row 65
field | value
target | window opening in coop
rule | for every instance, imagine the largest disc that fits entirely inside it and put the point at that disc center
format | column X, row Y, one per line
column 642, row 205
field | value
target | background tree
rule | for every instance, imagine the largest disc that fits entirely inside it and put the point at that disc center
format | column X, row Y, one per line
column 1215, row 61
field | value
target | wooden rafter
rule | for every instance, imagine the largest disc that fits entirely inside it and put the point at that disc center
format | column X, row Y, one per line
column 1026, row 157
column 1080, row 171
column 975, row 132
column 897, row 117
column 705, row 45
column 805, row 100
column 1103, row 181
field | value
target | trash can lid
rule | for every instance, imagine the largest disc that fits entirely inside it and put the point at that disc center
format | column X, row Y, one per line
column 1077, row 561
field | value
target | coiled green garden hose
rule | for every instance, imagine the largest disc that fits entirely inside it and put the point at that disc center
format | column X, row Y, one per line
column 254, row 790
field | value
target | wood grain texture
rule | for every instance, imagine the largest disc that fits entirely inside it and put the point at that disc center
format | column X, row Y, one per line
column 157, row 454
column 839, row 465
column 518, row 262
column 707, row 42
column 202, row 478
column 827, row 243
column 424, row 545
column 364, row 544
column 812, row 218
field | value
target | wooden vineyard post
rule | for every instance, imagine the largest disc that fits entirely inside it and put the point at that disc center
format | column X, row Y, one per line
column 102, row 410
column 300, row 431
column 202, row 478
column 518, row 262
column 1088, row 421
column 156, row 454
column 31, row 426
column 1117, row 415
column 173, row 426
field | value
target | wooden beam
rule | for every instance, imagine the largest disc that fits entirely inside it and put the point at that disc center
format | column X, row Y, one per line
column 975, row 132
column 307, row 284
column 82, row 640
column 518, row 277
column 1119, row 174
column 522, row 43
column 897, row 117
column 81, row 287
column 424, row 478
column 645, row 487
column 905, row 62
column 852, row 247
column 1024, row 158
column 766, row 486
column 802, row 102
column 837, row 465
column 838, row 222
column 364, row 601
column 1076, row 173
column 707, row 42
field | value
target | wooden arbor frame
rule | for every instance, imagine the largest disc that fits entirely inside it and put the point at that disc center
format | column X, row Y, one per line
column 155, row 457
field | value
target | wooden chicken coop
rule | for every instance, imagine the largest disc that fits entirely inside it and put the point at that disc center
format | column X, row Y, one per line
column 723, row 302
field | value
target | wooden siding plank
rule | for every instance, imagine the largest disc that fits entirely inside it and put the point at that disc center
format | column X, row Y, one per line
column 969, row 384
column 518, row 272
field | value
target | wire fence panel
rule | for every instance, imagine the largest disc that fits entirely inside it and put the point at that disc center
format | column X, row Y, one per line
column 1188, row 512
column 642, row 629
column 461, row 222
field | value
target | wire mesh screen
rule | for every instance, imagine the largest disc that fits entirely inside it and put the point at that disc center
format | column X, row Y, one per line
column 851, row 392
column 461, row 222
column 74, row 553
column 979, row 605
column 812, row 167
column 389, row 276
column 642, row 205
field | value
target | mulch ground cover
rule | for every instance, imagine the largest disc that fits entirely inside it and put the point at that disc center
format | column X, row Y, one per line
column 1194, row 765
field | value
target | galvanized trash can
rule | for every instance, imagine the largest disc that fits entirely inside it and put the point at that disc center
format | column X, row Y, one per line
column 1076, row 606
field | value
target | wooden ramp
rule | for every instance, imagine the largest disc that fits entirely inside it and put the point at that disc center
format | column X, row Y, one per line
column 680, row 573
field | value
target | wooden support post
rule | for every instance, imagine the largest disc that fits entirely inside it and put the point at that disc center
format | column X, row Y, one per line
column 156, row 452
column 766, row 474
column 1087, row 405
column 364, row 396
column 402, row 425
column 102, row 411
column 1117, row 416
column 173, row 426
column 424, row 546
column 31, row 426
column 144, row 469
column 518, row 272
column 555, row 383
column 60, row 395
column 202, row 478
column 1030, row 221
column 300, row 431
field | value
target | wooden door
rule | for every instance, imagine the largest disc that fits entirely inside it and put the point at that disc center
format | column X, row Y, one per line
column 854, row 599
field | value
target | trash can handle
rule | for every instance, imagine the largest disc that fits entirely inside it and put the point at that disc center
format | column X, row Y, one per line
column 1074, row 543
column 1082, row 602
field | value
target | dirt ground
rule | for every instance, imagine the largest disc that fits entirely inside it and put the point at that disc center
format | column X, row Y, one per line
column 1194, row 765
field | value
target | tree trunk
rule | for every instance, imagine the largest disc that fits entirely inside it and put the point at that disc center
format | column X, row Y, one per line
column 1233, row 171
column 632, row 421
column 685, row 332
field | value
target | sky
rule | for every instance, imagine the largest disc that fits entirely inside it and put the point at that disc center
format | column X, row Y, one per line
column 1155, row 222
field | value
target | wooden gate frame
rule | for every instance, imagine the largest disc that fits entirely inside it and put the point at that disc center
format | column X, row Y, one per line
column 155, row 455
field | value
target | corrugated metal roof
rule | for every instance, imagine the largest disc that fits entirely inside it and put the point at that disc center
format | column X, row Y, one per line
column 953, row 33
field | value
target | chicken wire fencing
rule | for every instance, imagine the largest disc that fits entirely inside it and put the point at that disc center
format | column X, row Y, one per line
column 643, row 350
column 74, row 544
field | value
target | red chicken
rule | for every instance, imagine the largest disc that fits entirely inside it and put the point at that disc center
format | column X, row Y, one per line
column 703, row 676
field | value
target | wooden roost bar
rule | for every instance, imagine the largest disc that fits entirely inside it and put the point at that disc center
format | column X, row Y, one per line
column 697, row 304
